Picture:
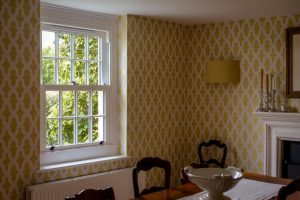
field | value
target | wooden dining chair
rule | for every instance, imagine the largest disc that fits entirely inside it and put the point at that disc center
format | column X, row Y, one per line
column 209, row 162
column 213, row 161
column 290, row 189
column 94, row 194
column 146, row 164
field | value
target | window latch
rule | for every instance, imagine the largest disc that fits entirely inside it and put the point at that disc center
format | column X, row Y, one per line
column 101, row 142
column 52, row 148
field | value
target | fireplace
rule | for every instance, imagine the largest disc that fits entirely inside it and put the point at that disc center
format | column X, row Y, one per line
column 282, row 135
column 290, row 159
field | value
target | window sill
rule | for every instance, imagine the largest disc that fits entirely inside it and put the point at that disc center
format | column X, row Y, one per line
column 84, row 153
column 80, row 163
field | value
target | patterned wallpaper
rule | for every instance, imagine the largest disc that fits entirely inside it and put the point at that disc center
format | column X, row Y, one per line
column 19, row 96
column 225, row 111
column 169, row 108
column 155, row 90
column 205, row 111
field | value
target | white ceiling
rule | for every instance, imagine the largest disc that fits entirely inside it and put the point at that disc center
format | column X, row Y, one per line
column 188, row 11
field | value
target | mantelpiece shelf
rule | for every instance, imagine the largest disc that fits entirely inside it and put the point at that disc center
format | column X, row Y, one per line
column 279, row 116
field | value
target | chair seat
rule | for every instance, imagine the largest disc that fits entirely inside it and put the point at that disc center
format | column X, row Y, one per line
column 151, row 189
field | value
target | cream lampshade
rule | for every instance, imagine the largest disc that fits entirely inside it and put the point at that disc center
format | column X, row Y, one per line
column 223, row 71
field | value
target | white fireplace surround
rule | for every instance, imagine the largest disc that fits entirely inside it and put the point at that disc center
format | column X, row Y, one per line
column 279, row 127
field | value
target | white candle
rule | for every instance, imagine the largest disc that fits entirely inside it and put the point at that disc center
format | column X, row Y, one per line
column 267, row 82
column 271, row 82
column 261, row 79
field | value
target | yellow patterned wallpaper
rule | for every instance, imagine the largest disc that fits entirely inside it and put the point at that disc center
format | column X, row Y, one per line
column 205, row 111
column 225, row 111
column 169, row 108
column 19, row 95
column 155, row 90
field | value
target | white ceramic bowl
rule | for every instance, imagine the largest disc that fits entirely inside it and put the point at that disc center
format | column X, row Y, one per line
column 214, row 180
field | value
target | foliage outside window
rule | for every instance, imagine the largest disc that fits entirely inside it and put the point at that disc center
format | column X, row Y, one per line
column 74, row 87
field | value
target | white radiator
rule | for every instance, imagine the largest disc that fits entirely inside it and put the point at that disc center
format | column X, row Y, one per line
column 120, row 180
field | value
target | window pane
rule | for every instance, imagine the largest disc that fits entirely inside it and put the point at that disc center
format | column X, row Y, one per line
column 83, row 103
column 64, row 45
column 52, row 132
column 79, row 48
column 68, row 103
column 48, row 71
column 48, row 44
column 97, row 101
column 93, row 73
column 52, row 103
column 68, row 131
column 93, row 48
column 97, row 132
column 79, row 72
column 83, row 127
column 64, row 72
column 73, row 116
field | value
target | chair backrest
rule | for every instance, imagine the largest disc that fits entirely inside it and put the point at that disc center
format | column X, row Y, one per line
column 213, row 160
column 146, row 164
column 92, row 194
column 291, row 188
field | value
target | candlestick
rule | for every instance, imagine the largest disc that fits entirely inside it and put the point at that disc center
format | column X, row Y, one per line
column 272, row 101
column 261, row 102
column 267, row 101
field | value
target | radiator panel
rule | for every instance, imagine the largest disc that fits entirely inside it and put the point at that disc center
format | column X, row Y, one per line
column 120, row 180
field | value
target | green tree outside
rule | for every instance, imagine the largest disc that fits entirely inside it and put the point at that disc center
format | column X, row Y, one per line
column 68, row 97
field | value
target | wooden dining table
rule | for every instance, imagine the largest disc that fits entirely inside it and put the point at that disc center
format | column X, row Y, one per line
column 190, row 188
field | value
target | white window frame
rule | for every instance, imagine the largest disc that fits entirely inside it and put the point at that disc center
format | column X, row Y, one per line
column 56, row 15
